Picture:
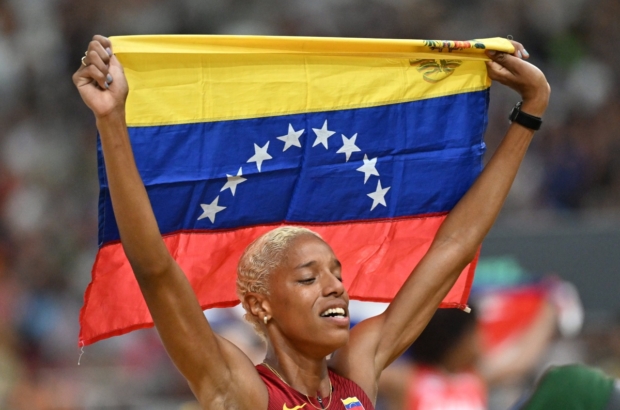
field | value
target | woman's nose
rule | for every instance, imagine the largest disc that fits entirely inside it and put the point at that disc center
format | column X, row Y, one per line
column 332, row 285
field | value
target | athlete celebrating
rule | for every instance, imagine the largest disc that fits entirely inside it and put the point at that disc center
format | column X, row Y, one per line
column 289, row 280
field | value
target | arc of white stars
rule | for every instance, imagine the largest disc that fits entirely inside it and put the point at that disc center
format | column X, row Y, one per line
column 369, row 168
column 210, row 210
column 233, row 181
column 322, row 134
column 260, row 155
column 378, row 197
column 348, row 146
column 292, row 138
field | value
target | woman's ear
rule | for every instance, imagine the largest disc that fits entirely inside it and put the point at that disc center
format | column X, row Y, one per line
column 258, row 305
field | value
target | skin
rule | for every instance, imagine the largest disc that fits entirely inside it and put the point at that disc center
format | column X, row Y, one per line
column 299, row 340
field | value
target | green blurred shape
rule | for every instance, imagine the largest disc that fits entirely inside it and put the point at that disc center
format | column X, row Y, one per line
column 499, row 271
column 572, row 387
column 565, row 49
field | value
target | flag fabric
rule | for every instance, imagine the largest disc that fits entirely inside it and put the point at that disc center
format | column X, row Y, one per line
column 507, row 314
column 512, row 301
column 368, row 142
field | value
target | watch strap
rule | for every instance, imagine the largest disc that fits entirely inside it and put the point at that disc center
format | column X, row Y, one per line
column 528, row 121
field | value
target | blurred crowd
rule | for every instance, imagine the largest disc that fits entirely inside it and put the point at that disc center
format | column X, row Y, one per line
column 48, row 173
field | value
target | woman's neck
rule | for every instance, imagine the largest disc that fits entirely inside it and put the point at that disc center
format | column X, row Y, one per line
column 308, row 375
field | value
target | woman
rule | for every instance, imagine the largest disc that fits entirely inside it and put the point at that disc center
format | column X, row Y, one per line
column 289, row 280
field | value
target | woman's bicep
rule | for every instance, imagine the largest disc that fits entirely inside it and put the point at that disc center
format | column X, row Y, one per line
column 381, row 339
column 417, row 300
column 356, row 360
column 210, row 363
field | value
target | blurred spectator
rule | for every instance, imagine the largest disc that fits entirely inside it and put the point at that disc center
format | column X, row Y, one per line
column 572, row 387
column 449, row 366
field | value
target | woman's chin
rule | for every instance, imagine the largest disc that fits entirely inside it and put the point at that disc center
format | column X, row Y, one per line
column 334, row 339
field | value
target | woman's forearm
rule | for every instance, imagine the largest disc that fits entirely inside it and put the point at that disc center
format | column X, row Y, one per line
column 463, row 230
column 136, row 222
column 473, row 216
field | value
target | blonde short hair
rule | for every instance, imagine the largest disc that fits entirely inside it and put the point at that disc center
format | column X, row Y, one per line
column 259, row 260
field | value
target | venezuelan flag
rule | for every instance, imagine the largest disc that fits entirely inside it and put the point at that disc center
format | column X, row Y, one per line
column 352, row 403
column 368, row 142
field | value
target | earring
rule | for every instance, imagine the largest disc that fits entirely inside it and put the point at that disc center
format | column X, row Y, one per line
column 265, row 319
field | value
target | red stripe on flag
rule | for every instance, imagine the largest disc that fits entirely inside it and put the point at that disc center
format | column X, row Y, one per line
column 376, row 256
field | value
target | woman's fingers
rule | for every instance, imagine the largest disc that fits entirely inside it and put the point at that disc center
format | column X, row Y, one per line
column 115, row 63
column 520, row 51
column 521, row 76
column 501, row 67
column 103, row 52
column 98, row 70
column 90, row 76
column 95, row 64
column 506, row 66
column 94, row 61
column 98, row 75
column 104, row 41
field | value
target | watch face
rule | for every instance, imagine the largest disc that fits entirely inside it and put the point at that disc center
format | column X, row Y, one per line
column 528, row 121
column 513, row 113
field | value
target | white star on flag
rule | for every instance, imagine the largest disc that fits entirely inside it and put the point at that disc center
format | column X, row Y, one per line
column 292, row 138
column 378, row 197
column 322, row 134
column 369, row 168
column 233, row 181
column 209, row 210
column 348, row 146
column 260, row 155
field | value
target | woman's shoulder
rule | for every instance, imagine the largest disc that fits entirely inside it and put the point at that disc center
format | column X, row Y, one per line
column 349, row 393
column 281, row 395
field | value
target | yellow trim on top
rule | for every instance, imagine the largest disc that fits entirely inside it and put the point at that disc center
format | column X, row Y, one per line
column 187, row 79
column 193, row 44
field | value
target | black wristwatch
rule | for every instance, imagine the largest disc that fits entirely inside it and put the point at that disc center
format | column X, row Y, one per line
column 521, row 118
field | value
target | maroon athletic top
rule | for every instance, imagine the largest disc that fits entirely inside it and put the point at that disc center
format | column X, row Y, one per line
column 346, row 394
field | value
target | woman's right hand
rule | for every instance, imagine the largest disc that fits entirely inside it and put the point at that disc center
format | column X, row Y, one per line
column 101, row 80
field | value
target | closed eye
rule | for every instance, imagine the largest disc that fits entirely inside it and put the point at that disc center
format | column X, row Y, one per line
column 306, row 281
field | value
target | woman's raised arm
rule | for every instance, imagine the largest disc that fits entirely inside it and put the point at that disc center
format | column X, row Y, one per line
column 217, row 371
column 383, row 338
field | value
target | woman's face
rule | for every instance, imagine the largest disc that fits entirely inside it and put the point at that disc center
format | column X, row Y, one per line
column 309, row 305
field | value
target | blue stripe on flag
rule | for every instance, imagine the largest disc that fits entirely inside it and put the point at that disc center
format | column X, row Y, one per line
column 428, row 154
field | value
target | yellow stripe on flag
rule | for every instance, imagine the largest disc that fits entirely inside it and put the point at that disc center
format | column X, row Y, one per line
column 188, row 79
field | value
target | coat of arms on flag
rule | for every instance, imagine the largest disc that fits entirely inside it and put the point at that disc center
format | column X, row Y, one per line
column 236, row 135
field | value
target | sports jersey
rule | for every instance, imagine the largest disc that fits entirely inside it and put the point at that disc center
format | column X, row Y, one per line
column 433, row 389
column 346, row 394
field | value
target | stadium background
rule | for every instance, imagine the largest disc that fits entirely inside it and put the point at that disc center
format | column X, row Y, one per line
column 562, row 216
